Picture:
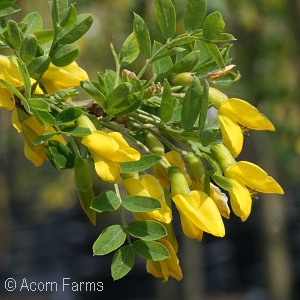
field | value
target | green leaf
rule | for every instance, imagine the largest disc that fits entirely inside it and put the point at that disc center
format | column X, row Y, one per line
column 109, row 240
column 82, row 25
column 28, row 48
column 70, row 18
column 142, row 35
column 85, row 199
column 64, row 55
column 14, row 33
column 34, row 22
column 45, row 38
column 191, row 105
column 216, row 54
column 120, row 93
column 141, row 203
column 109, row 77
column 166, row 17
column 194, row 14
column 147, row 230
column 60, row 156
column 122, row 262
column 93, row 92
column 58, row 10
column 167, row 104
column 76, row 131
column 162, row 64
column 130, row 50
column 213, row 26
column 38, row 66
column 69, row 114
column 106, row 201
column 25, row 78
column 150, row 250
column 211, row 133
column 83, row 180
column 39, row 104
column 204, row 107
column 145, row 162
column 8, row 8
column 186, row 64
column 43, row 138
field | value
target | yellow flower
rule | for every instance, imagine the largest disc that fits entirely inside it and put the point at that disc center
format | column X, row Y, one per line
column 167, row 267
column 148, row 185
column 56, row 78
column 245, row 174
column 199, row 213
column 171, row 158
column 31, row 129
column 108, row 150
column 237, row 116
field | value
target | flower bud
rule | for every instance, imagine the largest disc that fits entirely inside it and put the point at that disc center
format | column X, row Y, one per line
column 154, row 144
column 223, row 156
column 195, row 166
column 216, row 97
column 182, row 79
column 178, row 182
column 84, row 121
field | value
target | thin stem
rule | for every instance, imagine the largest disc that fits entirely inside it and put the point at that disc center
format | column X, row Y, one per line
column 123, row 220
column 117, row 63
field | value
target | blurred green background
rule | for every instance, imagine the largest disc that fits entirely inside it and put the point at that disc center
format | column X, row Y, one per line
column 45, row 236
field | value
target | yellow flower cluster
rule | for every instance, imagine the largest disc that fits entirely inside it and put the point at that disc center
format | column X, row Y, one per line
column 54, row 79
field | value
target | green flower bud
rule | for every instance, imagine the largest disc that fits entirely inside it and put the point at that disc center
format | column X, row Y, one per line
column 182, row 79
column 84, row 121
column 223, row 156
column 153, row 144
column 216, row 97
column 195, row 166
column 178, row 182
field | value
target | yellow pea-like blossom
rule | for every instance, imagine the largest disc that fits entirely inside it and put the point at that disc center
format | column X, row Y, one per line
column 171, row 158
column 235, row 116
column 148, row 185
column 246, row 179
column 30, row 128
column 167, row 267
column 108, row 150
column 198, row 212
column 245, row 174
column 56, row 78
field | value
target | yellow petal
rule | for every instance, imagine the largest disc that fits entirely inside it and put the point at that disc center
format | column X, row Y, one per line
column 15, row 121
column 200, row 210
column 10, row 72
column 232, row 134
column 240, row 200
column 6, row 99
column 152, row 185
column 220, row 200
column 107, row 170
column 190, row 230
column 246, row 114
column 254, row 177
column 101, row 143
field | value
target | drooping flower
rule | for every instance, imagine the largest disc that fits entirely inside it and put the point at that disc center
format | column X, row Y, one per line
column 148, row 185
column 198, row 212
column 171, row 158
column 167, row 267
column 245, row 174
column 30, row 128
column 236, row 117
column 197, row 174
column 170, row 266
column 108, row 150
column 246, row 178
column 56, row 78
